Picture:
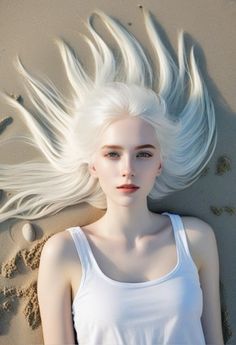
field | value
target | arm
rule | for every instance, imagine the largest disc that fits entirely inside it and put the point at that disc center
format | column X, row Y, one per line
column 205, row 245
column 54, row 293
column 209, row 278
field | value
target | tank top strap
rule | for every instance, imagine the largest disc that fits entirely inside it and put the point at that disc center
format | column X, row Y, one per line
column 82, row 247
column 180, row 235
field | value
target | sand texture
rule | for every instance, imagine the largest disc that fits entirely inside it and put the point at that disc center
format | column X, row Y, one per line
column 28, row 28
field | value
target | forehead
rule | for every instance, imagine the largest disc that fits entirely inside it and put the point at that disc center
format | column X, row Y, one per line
column 129, row 131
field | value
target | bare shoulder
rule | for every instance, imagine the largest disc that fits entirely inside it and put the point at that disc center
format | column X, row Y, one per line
column 57, row 245
column 198, row 225
column 200, row 236
column 59, row 251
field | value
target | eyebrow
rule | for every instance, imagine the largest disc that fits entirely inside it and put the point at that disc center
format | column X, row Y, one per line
column 121, row 148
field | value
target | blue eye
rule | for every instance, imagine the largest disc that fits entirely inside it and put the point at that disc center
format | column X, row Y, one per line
column 146, row 154
column 110, row 154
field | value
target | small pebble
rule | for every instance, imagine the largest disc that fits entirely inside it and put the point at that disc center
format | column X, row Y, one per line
column 4, row 123
column 223, row 165
column 28, row 232
column 18, row 98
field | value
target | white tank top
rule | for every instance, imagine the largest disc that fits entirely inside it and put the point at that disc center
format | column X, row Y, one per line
column 163, row 311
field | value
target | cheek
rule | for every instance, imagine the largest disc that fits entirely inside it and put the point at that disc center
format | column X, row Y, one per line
column 149, row 168
column 105, row 169
column 149, row 174
column 106, row 178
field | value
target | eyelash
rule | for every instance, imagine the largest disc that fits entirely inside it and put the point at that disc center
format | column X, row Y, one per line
column 108, row 154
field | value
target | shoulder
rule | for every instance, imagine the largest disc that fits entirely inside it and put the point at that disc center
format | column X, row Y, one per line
column 197, row 225
column 201, row 237
column 58, row 251
column 58, row 244
column 199, row 229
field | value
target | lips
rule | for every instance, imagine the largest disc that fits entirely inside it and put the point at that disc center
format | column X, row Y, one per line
column 128, row 186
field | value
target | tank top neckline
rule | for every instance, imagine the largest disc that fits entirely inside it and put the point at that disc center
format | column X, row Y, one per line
column 135, row 284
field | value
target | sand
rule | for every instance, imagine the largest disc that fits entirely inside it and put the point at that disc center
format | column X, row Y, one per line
column 28, row 29
column 30, row 258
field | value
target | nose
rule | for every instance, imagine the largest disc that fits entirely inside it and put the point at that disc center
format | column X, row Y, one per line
column 127, row 168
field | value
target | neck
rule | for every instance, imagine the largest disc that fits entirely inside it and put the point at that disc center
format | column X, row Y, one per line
column 127, row 221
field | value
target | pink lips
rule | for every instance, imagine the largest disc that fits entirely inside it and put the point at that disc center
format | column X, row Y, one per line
column 128, row 188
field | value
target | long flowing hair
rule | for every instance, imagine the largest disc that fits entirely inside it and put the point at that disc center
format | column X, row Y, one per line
column 66, row 130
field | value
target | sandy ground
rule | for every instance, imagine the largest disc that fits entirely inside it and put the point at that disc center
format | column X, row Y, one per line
column 28, row 29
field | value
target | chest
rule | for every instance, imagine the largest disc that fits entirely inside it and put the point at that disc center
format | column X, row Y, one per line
column 140, row 313
column 151, row 262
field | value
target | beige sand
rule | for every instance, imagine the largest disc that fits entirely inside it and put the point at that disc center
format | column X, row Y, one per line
column 28, row 28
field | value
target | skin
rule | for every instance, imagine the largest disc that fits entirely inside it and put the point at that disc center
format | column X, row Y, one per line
column 129, row 242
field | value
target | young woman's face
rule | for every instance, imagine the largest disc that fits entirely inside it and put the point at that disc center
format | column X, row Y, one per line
column 128, row 153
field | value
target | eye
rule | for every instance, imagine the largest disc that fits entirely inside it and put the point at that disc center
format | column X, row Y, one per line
column 111, row 154
column 145, row 154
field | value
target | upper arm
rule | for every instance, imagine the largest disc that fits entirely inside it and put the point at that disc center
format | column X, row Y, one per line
column 54, row 293
column 209, row 279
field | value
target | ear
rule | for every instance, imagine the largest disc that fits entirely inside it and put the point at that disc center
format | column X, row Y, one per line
column 159, row 169
column 92, row 170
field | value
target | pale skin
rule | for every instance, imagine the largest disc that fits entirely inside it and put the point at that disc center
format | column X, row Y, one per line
column 130, row 243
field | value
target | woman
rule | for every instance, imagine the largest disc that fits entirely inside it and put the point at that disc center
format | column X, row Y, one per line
column 133, row 276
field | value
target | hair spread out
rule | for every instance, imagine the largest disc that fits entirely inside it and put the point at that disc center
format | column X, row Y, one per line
column 66, row 130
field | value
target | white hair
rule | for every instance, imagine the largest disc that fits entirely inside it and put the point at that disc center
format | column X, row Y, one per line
column 66, row 131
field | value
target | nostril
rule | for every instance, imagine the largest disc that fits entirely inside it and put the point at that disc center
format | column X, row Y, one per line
column 128, row 173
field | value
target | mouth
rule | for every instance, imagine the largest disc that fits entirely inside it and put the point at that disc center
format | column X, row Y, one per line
column 128, row 188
